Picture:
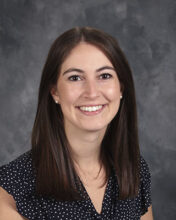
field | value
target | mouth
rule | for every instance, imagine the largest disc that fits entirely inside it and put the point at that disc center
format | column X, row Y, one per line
column 91, row 109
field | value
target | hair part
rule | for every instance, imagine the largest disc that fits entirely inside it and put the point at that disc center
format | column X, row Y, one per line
column 55, row 173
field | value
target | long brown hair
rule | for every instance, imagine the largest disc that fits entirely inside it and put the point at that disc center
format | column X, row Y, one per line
column 55, row 173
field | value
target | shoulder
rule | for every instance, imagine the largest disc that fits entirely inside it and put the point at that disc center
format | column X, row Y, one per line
column 21, row 162
column 15, row 183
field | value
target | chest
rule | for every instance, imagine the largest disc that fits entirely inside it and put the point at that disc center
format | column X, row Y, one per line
column 96, row 193
column 101, row 200
column 95, row 188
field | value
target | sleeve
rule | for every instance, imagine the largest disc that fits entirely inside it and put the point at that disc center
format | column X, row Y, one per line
column 17, row 179
column 145, row 187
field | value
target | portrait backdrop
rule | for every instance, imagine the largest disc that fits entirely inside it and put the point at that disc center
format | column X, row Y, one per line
column 145, row 30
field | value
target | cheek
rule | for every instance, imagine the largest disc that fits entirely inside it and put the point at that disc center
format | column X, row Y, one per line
column 113, row 93
column 67, row 95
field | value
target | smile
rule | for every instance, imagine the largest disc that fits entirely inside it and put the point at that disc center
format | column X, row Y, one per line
column 91, row 108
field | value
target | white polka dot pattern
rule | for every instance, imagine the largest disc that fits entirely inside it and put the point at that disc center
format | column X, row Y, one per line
column 18, row 179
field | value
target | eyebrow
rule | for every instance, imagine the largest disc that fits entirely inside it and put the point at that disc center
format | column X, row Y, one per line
column 81, row 71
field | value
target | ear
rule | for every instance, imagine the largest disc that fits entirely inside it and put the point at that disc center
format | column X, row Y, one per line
column 55, row 94
column 121, row 94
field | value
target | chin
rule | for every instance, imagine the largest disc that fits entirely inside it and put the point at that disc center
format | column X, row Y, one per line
column 94, row 128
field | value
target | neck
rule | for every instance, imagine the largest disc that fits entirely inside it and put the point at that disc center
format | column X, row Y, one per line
column 85, row 146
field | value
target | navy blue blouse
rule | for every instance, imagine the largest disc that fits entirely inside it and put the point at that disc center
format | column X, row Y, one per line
column 18, row 179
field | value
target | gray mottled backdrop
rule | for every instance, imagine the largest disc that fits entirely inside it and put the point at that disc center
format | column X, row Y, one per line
column 146, row 31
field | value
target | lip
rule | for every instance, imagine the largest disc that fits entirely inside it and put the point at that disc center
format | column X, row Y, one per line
column 93, row 112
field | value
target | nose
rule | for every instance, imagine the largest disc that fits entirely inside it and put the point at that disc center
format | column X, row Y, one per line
column 91, row 89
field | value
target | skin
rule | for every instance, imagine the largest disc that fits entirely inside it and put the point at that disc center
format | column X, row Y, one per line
column 92, row 85
column 148, row 215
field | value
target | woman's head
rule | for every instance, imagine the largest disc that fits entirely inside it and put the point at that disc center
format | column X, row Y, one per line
column 48, row 138
column 63, row 46
column 87, row 90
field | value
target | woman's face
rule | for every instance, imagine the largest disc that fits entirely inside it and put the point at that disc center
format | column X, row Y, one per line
column 88, row 89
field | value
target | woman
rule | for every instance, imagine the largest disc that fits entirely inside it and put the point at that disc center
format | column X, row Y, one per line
column 85, row 161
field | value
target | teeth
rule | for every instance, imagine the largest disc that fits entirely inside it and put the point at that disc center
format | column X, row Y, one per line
column 91, row 109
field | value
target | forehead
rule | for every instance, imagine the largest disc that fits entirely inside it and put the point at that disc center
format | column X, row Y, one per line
column 87, row 56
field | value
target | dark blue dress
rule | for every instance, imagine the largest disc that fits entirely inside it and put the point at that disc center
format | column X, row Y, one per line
column 18, row 179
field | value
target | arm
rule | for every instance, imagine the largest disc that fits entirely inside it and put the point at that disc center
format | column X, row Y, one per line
column 148, row 215
column 8, row 210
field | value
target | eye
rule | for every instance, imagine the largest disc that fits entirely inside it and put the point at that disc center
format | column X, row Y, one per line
column 74, row 78
column 105, row 76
